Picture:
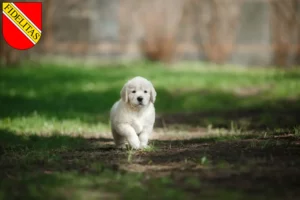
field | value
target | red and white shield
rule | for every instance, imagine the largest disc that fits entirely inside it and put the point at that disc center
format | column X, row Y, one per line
column 22, row 24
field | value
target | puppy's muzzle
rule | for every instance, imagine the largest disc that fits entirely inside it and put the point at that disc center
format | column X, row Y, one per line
column 140, row 99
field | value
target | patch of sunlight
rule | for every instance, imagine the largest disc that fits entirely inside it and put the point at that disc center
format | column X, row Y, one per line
column 12, row 92
column 89, row 86
column 234, row 132
column 42, row 125
column 98, row 86
column 285, row 87
column 31, row 93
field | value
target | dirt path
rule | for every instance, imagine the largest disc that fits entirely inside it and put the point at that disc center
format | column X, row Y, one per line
column 262, row 166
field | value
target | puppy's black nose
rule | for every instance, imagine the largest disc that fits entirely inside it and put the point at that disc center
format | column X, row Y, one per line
column 140, row 99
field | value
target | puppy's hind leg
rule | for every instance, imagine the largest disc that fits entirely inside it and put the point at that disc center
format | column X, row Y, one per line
column 120, row 141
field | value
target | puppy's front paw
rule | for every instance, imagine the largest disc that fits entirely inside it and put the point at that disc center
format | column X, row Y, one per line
column 135, row 145
column 121, row 146
column 143, row 146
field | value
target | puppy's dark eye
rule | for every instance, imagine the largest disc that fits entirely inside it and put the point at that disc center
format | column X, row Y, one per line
column 133, row 91
column 145, row 91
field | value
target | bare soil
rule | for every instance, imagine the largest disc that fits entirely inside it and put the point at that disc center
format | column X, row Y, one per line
column 266, row 166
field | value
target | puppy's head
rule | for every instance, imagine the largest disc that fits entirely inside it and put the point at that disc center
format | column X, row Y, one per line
column 138, row 92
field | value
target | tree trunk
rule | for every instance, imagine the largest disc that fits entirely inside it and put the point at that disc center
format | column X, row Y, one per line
column 215, row 26
column 47, row 30
column 284, row 25
column 156, row 22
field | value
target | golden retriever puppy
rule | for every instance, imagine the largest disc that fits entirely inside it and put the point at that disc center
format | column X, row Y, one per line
column 132, row 117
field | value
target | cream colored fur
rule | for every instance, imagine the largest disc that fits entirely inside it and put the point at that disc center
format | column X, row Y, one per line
column 132, row 120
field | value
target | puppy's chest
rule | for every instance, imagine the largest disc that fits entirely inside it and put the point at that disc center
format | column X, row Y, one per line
column 140, row 119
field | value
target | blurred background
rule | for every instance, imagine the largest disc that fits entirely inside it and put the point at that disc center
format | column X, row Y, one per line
column 244, row 32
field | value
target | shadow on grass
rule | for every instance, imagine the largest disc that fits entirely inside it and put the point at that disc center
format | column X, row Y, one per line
column 197, row 108
column 88, row 94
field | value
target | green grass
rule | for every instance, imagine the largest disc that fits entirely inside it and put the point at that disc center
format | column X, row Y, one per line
column 48, row 114
column 52, row 98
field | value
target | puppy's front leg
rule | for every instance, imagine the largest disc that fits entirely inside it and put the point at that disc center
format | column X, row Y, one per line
column 137, row 126
column 126, row 130
column 144, row 136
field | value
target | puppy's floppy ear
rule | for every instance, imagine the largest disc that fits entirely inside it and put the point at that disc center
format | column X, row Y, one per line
column 152, row 94
column 124, row 93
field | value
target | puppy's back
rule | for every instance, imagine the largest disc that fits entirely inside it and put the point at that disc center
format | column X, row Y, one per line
column 113, row 110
